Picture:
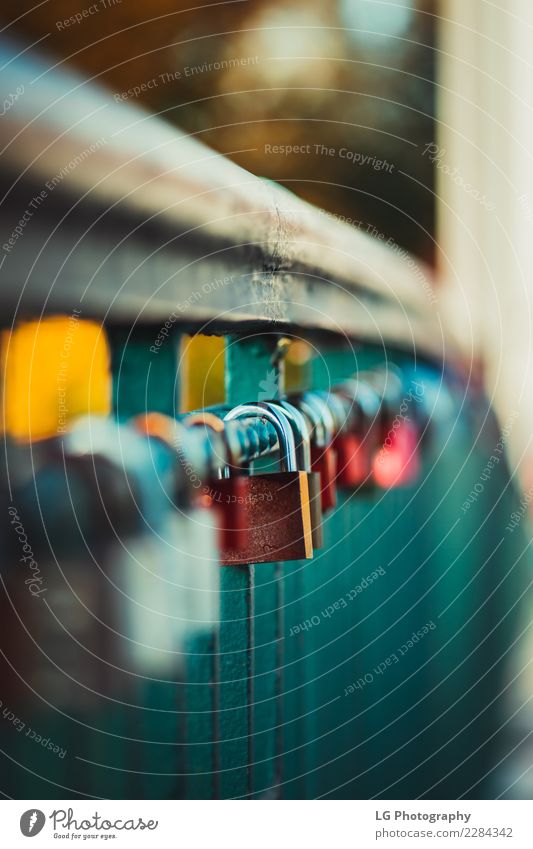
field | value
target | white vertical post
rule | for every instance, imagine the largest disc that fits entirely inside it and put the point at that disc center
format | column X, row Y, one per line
column 485, row 200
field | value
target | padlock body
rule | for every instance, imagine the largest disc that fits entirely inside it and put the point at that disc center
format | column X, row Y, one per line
column 227, row 497
column 278, row 517
column 324, row 461
column 354, row 461
column 315, row 502
column 397, row 463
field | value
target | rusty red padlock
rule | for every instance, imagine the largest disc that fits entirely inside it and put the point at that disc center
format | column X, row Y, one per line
column 277, row 506
column 354, row 461
column 356, row 407
column 302, row 440
column 323, row 453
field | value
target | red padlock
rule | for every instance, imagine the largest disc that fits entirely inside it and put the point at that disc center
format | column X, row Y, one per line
column 324, row 461
column 355, row 406
column 397, row 463
column 227, row 495
column 279, row 511
column 323, row 454
column 354, row 461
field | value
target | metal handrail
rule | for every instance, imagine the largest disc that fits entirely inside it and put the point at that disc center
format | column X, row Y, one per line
column 141, row 222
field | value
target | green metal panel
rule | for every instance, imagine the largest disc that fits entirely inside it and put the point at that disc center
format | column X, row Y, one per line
column 234, row 702
column 418, row 725
column 145, row 377
column 302, row 691
column 145, row 380
column 266, row 672
column 200, row 718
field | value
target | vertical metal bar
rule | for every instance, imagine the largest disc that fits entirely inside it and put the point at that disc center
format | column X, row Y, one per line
column 145, row 380
column 292, row 738
column 266, row 604
column 234, row 696
column 307, row 683
column 144, row 375
column 200, row 706
column 251, row 374
column 267, row 621
column 323, row 648
column 293, row 683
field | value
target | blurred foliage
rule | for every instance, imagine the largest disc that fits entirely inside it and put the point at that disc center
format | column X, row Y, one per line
column 354, row 74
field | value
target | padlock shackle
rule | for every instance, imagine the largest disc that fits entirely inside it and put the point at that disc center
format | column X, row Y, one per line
column 338, row 408
column 300, row 431
column 317, row 406
column 365, row 398
column 214, row 423
column 386, row 381
column 318, row 433
column 281, row 424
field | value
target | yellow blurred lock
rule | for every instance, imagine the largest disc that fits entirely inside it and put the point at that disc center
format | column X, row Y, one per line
column 53, row 370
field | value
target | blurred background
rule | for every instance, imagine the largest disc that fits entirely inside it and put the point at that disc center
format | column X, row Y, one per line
column 335, row 101
column 246, row 76
column 407, row 118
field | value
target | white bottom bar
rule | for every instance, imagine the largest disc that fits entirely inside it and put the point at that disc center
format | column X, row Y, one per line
column 308, row 824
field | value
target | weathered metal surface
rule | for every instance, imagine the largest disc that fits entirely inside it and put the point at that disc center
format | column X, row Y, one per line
column 278, row 518
column 136, row 221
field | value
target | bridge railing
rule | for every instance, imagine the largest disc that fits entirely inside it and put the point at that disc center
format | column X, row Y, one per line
column 134, row 665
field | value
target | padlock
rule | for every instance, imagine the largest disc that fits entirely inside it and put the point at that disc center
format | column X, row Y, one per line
column 226, row 495
column 277, row 507
column 396, row 459
column 397, row 463
column 171, row 579
column 323, row 453
column 358, row 437
column 302, row 441
column 162, row 601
